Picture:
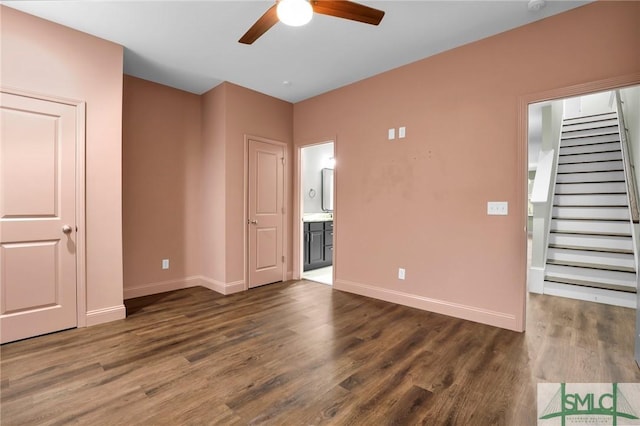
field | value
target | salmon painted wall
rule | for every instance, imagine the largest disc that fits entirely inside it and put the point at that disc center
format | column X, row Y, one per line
column 44, row 58
column 212, row 169
column 161, row 186
column 229, row 113
column 420, row 203
column 252, row 113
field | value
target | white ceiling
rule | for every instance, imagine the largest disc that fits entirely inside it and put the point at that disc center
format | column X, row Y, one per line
column 192, row 45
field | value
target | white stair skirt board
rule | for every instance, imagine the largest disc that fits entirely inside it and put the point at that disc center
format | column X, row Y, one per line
column 626, row 280
column 590, row 200
column 586, row 141
column 591, row 188
column 590, row 177
column 609, row 297
column 612, row 121
column 598, row 259
column 592, row 242
column 603, row 212
column 592, row 148
column 588, row 158
column 591, row 227
column 601, row 166
column 588, row 132
column 535, row 280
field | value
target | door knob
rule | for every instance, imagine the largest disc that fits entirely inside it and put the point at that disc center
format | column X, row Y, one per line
column 253, row 222
column 66, row 229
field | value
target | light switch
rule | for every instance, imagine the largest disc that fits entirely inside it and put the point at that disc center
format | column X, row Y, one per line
column 392, row 134
column 497, row 208
column 402, row 131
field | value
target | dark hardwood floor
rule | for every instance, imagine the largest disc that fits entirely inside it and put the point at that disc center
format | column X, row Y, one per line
column 298, row 353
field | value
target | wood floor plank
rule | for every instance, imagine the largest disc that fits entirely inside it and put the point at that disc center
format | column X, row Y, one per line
column 301, row 353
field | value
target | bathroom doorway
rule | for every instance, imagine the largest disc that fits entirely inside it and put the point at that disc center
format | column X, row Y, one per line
column 317, row 195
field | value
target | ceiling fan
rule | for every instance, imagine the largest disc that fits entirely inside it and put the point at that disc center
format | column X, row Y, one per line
column 299, row 12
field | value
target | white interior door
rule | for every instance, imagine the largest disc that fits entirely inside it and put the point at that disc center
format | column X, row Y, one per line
column 37, row 217
column 265, row 212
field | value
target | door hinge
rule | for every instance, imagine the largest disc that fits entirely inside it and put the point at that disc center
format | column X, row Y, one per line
column 282, row 160
column 282, row 259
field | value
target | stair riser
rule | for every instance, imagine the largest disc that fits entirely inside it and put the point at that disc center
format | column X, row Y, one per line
column 594, row 242
column 591, row 227
column 600, row 260
column 590, row 177
column 624, row 279
column 588, row 158
column 590, row 200
column 598, row 213
column 589, row 132
column 612, row 137
column 591, row 188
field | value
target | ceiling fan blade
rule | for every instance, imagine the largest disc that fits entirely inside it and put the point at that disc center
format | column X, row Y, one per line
column 261, row 26
column 348, row 10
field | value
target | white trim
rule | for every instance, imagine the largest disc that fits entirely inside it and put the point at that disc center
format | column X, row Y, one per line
column 102, row 315
column 471, row 313
column 221, row 287
column 161, row 287
column 536, row 280
column 590, row 294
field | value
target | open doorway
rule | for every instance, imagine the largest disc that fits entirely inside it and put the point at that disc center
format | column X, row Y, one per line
column 581, row 239
column 317, row 196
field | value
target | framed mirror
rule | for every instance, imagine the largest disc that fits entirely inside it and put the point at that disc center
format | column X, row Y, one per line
column 327, row 190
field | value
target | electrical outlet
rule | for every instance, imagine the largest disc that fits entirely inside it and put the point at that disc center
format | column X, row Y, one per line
column 165, row 263
column 401, row 273
column 497, row 208
column 392, row 134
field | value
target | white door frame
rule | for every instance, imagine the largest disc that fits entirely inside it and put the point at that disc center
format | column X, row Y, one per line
column 80, row 234
column 298, row 207
column 523, row 166
column 285, row 213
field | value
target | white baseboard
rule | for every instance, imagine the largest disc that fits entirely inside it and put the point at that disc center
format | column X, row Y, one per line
column 589, row 294
column 536, row 280
column 161, row 287
column 221, row 287
column 100, row 316
column 471, row 313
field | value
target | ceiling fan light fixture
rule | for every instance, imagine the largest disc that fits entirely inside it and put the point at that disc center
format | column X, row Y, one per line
column 294, row 12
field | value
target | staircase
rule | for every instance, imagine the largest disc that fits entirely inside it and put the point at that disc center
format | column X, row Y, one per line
column 590, row 239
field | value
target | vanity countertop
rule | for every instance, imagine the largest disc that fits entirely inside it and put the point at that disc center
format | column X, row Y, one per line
column 317, row 217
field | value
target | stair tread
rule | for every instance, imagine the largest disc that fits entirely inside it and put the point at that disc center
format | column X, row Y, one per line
column 590, row 249
column 582, row 117
column 599, row 266
column 585, row 283
column 595, row 234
